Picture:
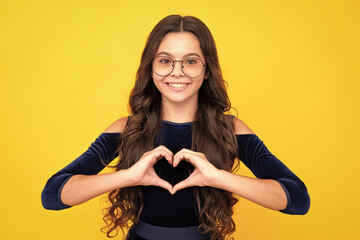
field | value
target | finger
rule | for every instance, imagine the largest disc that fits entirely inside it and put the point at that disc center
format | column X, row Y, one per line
column 164, row 184
column 162, row 147
column 188, row 152
column 189, row 157
column 170, row 153
column 159, row 154
column 188, row 182
column 182, row 151
column 198, row 154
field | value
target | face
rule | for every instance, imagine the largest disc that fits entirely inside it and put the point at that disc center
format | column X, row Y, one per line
column 177, row 87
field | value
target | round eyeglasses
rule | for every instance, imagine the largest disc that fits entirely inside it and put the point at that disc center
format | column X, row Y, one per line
column 191, row 66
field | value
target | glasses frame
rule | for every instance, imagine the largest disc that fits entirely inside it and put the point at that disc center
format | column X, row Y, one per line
column 182, row 66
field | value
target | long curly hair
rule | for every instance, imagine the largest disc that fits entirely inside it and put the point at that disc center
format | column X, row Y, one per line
column 212, row 134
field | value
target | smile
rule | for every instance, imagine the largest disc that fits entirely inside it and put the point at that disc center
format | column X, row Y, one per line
column 177, row 86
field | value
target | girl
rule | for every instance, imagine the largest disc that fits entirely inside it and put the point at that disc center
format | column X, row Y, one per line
column 177, row 150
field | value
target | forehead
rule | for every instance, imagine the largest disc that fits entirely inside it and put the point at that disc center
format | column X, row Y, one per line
column 179, row 44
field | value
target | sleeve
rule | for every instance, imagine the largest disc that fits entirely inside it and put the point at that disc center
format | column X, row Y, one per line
column 89, row 163
column 264, row 165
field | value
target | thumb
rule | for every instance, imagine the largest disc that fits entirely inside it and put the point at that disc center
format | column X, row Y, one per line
column 163, row 184
column 183, row 184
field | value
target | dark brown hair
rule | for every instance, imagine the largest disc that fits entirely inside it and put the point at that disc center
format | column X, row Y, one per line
column 212, row 133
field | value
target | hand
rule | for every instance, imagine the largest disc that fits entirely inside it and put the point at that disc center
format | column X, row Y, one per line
column 204, row 173
column 143, row 173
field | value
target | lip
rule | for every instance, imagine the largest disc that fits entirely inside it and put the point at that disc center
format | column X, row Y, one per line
column 177, row 89
column 177, row 82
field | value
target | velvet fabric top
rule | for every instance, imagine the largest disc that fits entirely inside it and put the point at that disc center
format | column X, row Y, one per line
column 178, row 210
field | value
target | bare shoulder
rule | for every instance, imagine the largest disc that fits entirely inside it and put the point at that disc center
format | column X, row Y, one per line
column 241, row 127
column 117, row 126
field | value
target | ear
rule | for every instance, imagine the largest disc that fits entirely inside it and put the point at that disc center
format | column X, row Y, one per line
column 206, row 76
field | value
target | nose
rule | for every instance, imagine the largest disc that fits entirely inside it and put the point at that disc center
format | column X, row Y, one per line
column 177, row 71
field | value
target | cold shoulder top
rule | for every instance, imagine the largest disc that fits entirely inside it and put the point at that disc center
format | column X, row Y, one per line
column 178, row 210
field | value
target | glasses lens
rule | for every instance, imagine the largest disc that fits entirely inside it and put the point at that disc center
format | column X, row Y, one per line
column 162, row 65
column 193, row 67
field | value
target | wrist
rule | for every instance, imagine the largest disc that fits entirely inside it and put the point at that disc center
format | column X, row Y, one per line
column 124, row 178
column 217, row 177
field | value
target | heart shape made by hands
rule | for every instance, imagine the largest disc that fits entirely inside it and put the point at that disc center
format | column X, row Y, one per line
column 186, row 168
column 171, row 174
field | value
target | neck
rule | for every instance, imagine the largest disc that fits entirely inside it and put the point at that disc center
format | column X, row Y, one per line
column 178, row 112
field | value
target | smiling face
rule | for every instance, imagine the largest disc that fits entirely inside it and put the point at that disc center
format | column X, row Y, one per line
column 177, row 87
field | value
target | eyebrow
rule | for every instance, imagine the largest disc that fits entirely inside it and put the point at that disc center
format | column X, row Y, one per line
column 186, row 55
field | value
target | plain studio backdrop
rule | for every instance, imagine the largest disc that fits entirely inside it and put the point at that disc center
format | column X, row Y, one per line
column 67, row 68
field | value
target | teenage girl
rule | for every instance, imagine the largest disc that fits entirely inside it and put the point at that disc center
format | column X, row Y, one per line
column 177, row 150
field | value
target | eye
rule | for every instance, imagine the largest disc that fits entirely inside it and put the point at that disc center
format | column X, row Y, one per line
column 164, row 60
column 191, row 61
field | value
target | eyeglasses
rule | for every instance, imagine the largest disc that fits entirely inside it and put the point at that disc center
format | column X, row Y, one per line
column 190, row 66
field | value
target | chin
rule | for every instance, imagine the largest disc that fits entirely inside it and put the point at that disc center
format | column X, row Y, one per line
column 176, row 100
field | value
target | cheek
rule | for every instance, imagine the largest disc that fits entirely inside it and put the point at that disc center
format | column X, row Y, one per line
column 199, row 81
column 156, row 80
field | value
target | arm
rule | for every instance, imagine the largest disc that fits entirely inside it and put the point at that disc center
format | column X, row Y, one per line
column 267, row 168
column 276, row 187
column 78, row 182
column 265, row 192
column 82, row 188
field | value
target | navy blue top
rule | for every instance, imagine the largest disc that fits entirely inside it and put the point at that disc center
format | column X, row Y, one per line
column 178, row 210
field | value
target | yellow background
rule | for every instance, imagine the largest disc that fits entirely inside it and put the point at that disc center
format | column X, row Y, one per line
column 67, row 67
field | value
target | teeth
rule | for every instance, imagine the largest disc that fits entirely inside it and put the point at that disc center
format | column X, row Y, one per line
column 177, row 85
